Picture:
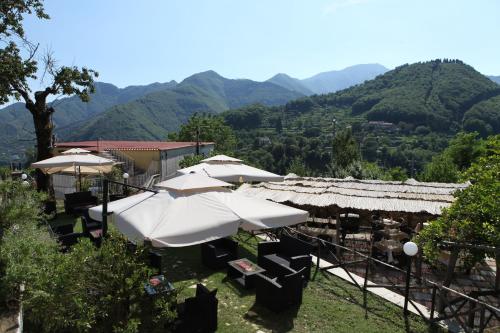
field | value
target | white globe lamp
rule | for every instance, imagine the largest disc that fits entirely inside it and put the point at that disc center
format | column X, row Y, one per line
column 126, row 175
column 24, row 176
column 410, row 249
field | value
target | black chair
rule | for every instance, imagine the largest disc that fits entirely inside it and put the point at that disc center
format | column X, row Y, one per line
column 89, row 224
column 155, row 260
column 349, row 224
column 75, row 203
column 198, row 314
column 68, row 240
column 289, row 253
column 279, row 293
column 215, row 254
column 63, row 229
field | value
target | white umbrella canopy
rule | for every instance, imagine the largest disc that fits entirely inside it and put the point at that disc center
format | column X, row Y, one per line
column 191, row 182
column 221, row 158
column 190, row 216
column 76, row 151
column 63, row 162
column 230, row 169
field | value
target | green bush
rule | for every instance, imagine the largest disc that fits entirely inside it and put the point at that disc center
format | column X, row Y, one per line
column 19, row 204
column 88, row 289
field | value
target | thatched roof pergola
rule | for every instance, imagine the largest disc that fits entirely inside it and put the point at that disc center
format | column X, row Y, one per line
column 342, row 195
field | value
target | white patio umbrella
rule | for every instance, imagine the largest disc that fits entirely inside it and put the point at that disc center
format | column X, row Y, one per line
column 61, row 162
column 195, row 209
column 73, row 163
column 230, row 169
column 76, row 151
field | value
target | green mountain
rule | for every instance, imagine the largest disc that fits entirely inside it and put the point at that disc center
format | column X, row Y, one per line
column 16, row 124
column 332, row 81
column 495, row 78
column 153, row 116
column 290, row 83
column 400, row 118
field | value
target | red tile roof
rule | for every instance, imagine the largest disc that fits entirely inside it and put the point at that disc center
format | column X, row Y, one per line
column 127, row 145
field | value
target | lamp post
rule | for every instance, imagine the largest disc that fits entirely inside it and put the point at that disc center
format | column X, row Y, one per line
column 125, row 180
column 410, row 249
column 26, row 180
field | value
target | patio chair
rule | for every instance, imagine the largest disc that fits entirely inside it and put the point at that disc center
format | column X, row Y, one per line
column 69, row 240
column 155, row 260
column 280, row 293
column 289, row 253
column 75, row 203
column 349, row 224
column 217, row 253
column 63, row 229
column 199, row 313
column 89, row 224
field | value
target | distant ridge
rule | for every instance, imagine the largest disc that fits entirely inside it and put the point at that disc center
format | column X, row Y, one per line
column 290, row 83
column 333, row 81
column 495, row 78
column 151, row 117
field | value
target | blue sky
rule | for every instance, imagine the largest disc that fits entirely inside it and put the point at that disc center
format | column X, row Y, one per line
column 143, row 41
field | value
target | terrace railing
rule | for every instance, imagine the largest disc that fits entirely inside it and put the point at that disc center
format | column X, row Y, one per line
column 477, row 311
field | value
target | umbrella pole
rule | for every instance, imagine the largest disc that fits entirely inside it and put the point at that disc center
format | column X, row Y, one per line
column 80, row 177
column 104, row 207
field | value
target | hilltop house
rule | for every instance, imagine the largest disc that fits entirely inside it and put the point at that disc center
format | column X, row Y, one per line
column 140, row 159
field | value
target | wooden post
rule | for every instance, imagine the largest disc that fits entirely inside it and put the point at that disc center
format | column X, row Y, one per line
column 337, row 233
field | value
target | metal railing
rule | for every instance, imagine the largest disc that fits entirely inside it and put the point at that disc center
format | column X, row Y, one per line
column 447, row 306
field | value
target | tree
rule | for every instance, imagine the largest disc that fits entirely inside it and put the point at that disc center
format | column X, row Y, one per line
column 473, row 218
column 18, row 65
column 464, row 148
column 207, row 128
column 189, row 160
column 345, row 153
column 298, row 167
column 440, row 169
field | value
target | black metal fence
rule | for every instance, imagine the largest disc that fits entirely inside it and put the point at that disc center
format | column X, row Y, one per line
column 477, row 311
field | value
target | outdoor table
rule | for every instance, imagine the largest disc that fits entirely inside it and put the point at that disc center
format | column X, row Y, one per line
column 389, row 246
column 243, row 271
column 390, row 223
column 395, row 234
column 158, row 285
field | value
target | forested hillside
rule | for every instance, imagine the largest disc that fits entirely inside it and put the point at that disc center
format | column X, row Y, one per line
column 16, row 123
column 153, row 116
column 399, row 119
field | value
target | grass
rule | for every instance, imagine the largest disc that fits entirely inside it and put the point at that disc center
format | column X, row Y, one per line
column 329, row 303
column 62, row 218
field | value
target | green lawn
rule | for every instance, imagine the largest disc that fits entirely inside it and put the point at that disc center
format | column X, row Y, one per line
column 329, row 305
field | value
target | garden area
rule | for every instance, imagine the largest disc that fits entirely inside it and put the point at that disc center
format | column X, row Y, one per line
column 102, row 289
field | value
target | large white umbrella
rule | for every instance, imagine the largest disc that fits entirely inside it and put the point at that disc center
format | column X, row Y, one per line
column 63, row 162
column 76, row 151
column 195, row 209
column 75, row 161
column 230, row 169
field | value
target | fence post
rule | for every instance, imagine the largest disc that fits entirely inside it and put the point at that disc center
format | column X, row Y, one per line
column 337, row 234
column 318, row 256
column 407, row 289
column 433, row 303
column 365, row 284
column 105, row 190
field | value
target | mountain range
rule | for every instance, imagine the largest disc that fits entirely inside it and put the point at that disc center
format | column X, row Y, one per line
column 400, row 119
column 331, row 81
column 495, row 78
column 151, row 111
